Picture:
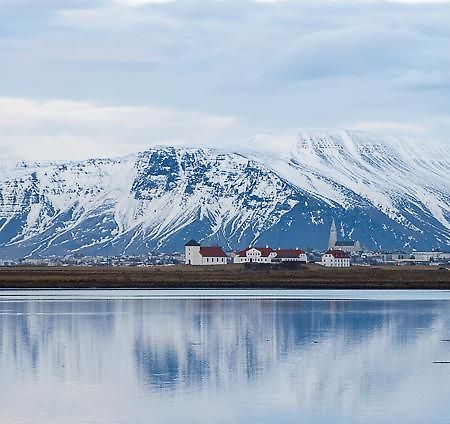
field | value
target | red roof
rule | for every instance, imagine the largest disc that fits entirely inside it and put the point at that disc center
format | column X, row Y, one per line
column 289, row 253
column 337, row 253
column 215, row 252
column 265, row 251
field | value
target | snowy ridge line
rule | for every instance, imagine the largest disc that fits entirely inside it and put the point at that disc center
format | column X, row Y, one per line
column 384, row 191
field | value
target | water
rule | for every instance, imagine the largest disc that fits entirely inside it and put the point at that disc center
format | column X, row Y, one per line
column 224, row 357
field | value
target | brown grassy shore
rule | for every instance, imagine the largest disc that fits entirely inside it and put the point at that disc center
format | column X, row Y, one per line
column 231, row 276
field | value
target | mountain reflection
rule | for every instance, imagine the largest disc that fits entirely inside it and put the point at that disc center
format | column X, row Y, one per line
column 201, row 342
column 347, row 356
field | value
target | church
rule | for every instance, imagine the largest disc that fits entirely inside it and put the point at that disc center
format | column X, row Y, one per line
column 349, row 246
column 200, row 255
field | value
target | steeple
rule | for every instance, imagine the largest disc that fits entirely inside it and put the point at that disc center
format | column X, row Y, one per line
column 333, row 236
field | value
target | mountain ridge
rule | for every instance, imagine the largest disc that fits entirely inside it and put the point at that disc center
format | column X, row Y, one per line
column 388, row 193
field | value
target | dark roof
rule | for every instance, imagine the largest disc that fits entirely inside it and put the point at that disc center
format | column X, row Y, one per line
column 345, row 243
column 265, row 251
column 214, row 252
column 289, row 253
column 337, row 253
column 192, row 243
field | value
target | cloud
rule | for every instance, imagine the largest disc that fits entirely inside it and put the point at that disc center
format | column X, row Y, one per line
column 392, row 127
column 272, row 66
column 141, row 2
column 76, row 130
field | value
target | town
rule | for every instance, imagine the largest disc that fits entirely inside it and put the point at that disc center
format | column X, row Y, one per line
column 339, row 254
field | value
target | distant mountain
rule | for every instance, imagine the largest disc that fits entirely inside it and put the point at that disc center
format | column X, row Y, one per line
column 386, row 192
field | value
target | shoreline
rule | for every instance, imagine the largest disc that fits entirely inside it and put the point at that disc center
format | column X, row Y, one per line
column 224, row 277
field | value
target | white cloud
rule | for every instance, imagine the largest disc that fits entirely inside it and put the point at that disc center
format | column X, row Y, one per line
column 141, row 2
column 59, row 129
column 289, row 64
column 392, row 127
column 420, row 1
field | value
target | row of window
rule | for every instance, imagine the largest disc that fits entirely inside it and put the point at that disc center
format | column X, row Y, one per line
column 257, row 259
column 215, row 260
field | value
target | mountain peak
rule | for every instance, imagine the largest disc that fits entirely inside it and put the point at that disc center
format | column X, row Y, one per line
column 384, row 191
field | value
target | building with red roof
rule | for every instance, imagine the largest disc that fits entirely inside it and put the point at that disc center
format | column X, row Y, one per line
column 212, row 252
column 255, row 255
column 336, row 258
column 290, row 255
column 269, row 255
column 195, row 254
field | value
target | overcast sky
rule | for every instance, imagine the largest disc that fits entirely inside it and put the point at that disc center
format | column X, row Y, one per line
column 83, row 78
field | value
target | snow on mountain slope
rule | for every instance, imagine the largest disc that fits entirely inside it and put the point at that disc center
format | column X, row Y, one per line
column 386, row 192
column 139, row 202
column 407, row 180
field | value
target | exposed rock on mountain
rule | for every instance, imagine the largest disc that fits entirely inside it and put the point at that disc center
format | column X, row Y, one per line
column 386, row 192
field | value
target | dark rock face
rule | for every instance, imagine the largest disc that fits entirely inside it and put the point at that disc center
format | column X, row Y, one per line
column 159, row 199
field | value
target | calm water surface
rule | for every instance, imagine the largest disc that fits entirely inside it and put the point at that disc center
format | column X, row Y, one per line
column 224, row 357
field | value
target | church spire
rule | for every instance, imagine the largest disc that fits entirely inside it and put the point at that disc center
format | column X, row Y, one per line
column 333, row 236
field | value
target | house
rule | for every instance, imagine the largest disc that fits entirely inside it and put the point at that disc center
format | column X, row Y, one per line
column 255, row 255
column 336, row 258
column 195, row 254
column 290, row 255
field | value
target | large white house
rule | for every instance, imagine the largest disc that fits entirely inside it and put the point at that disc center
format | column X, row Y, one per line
column 336, row 259
column 255, row 255
column 290, row 255
column 198, row 255
column 268, row 255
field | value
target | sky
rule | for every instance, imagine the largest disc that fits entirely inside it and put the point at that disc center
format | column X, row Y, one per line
column 89, row 78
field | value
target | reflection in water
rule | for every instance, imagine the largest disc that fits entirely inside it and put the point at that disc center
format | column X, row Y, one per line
column 219, row 360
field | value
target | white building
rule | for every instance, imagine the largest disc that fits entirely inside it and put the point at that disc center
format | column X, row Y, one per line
column 349, row 246
column 290, row 255
column 198, row 255
column 255, row 255
column 336, row 259
column 266, row 255
column 345, row 245
column 433, row 256
column 394, row 257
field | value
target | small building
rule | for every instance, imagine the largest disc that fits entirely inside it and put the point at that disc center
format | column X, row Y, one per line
column 290, row 255
column 433, row 256
column 350, row 246
column 195, row 254
column 393, row 257
column 255, row 255
column 336, row 259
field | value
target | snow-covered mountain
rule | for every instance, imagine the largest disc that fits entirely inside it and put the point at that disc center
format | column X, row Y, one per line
column 386, row 192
